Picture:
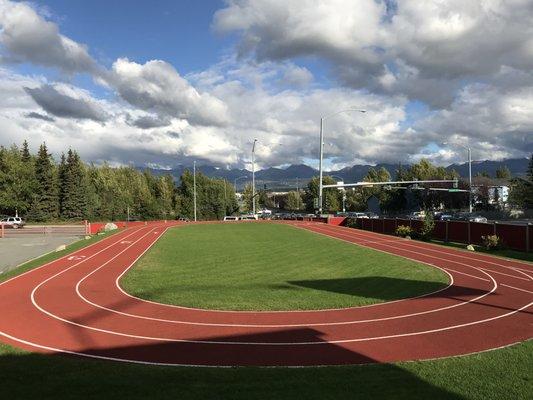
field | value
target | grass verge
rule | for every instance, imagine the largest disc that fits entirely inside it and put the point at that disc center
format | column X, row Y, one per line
column 504, row 253
column 499, row 374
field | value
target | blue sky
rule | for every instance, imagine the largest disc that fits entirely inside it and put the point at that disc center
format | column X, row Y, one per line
column 165, row 82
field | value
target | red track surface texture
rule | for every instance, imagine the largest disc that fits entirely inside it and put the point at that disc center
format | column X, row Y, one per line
column 74, row 305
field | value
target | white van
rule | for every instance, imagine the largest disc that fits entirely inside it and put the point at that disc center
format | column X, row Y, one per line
column 231, row 218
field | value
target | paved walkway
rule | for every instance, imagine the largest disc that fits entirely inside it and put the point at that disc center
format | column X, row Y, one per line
column 14, row 251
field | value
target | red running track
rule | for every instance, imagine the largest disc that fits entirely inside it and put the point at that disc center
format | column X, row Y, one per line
column 74, row 305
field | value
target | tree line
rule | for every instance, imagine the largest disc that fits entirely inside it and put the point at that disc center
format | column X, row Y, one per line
column 41, row 189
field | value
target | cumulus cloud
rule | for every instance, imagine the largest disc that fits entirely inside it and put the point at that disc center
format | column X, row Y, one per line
column 66, row 105
column 469, row 61
column 27, row 37
column 422, row 49
column 157, row 87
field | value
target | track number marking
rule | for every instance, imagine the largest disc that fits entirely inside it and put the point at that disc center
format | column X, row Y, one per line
column 76, row 258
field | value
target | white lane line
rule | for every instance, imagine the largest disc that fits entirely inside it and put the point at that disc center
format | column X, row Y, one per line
column 503, row 273
column 435, row 248
column 464, row 273
column 217, row 342
column 512, row 287
column 355, row 237
column 460, row 303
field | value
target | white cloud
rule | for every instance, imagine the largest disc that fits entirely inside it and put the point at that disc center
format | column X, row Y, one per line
column 28, row 37
column 157, row 87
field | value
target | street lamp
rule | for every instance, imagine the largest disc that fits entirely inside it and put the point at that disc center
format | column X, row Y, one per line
column 253, row 176
column 322, row 119
column 469, row 150
column 194, row 187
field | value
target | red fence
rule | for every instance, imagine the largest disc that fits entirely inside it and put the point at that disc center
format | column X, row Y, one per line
column 95, row 227
column 516, row 237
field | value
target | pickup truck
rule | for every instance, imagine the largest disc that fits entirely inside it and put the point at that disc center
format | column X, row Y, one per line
column 12, row 222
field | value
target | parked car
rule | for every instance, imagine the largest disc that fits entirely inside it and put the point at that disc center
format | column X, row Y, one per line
column 231, row 218
column 13, row 222
column 248, row 217
column 477, row 218
column 357, row 215
column 183, row 219
column 417, row 215
column 443, row 217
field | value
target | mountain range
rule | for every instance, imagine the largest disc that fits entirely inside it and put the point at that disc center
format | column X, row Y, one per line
column 299, row 175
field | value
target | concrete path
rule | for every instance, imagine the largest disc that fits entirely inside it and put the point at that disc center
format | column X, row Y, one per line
column 16, row 250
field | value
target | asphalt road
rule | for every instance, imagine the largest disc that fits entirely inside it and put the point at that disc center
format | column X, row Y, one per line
column 16, row 250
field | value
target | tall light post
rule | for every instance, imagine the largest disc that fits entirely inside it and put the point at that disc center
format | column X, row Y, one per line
column 253, row 176
column 469, row 150
column 322, row 119
column 194, row 186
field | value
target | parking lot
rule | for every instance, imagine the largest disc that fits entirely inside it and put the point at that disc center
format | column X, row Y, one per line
column 19, row 249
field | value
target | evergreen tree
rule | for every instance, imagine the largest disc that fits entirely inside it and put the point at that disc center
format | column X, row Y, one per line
column 72, row 187
column 25, row 152
column 45, row 204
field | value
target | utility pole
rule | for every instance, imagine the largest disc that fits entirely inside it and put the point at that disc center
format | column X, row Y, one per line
column 194, row 187
column 321, row 156
column 298, row 193
column 253, row 177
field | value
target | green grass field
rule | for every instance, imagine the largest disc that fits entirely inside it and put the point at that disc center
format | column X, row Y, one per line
column 272, row 267
column 500, row 374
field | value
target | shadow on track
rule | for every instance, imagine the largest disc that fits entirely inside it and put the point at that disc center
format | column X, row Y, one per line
column 37, row 376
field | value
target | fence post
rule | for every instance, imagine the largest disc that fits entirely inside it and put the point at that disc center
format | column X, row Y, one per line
column 469, row 232
column 395, row 224
column 410, row 223
column 527, row 237
column 446, row 234
column 494, row 228
column 383, row 225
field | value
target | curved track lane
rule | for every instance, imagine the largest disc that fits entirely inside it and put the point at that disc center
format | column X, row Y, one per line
column 75, row 305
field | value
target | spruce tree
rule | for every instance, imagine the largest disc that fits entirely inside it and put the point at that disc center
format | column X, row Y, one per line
column 25, row 152
column 72, row 187
column 45, row 204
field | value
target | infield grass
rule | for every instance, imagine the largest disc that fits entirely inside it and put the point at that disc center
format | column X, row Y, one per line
column 271, row 266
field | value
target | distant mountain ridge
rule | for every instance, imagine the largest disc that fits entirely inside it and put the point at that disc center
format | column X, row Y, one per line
column 300, row 174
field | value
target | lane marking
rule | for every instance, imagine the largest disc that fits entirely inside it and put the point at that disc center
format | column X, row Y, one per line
column 433, row 247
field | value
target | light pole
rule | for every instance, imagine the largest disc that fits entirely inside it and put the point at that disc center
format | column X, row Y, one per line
column 194, row 187
column 469, row 150
column 253, row 176
column 322, row 119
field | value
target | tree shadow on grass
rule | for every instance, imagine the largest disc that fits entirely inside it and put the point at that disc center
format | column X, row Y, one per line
column 375, row 287
column 71, row 377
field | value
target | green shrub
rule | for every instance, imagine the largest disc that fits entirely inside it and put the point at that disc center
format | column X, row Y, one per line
column 427, row 228
column 403, row 231
column 491, row 242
